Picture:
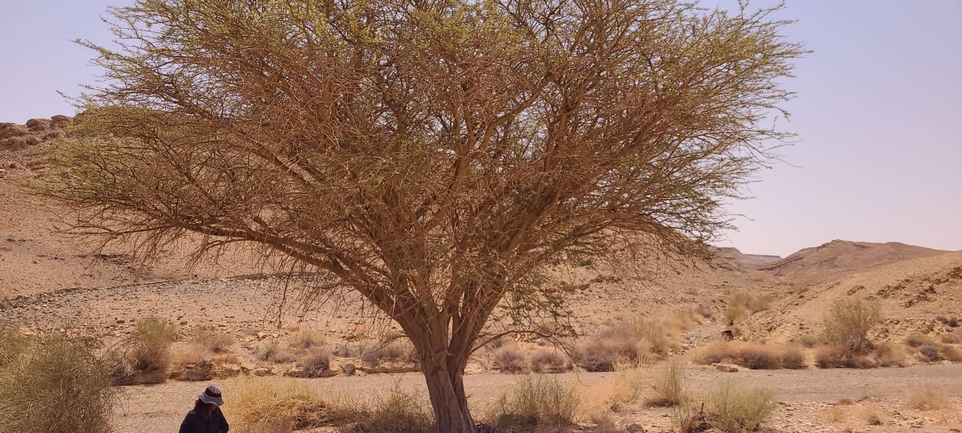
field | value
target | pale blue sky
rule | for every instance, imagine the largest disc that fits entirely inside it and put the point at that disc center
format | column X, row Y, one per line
column 879, row 156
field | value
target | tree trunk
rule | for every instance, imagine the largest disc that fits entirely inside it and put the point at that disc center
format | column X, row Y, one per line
column 448, row 398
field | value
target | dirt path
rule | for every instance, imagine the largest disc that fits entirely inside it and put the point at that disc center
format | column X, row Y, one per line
column 806, row 395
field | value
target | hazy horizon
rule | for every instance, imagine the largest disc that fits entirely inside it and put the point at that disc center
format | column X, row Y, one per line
column 876, row 159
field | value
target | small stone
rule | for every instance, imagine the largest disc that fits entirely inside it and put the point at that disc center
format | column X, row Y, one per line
column 348, row 369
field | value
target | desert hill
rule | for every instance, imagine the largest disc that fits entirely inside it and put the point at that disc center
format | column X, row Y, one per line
column 919, row 295
column 732, row 256
column 840, row 258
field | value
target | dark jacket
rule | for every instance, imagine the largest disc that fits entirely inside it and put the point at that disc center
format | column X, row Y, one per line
column 195, row 423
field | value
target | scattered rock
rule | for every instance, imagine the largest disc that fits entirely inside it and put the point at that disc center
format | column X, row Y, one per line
column 348, row 369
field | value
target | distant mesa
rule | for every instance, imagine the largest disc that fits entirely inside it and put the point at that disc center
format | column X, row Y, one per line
column 34, row 132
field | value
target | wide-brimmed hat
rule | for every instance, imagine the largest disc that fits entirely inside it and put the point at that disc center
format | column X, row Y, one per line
column 211, row 395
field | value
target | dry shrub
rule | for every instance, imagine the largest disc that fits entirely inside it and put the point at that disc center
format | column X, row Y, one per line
column 871, row 413
column 759, row 356
column 793, row 357
column 397, row 411
column 626, row 390
column 734, row 313
column 703, row 311
column 273, row 352
column 839, row 357
column 951, row 353
column 670, row 386
column 689, row 418
column 733, row 409
column 809, row 340
column 848, row 322
column 395, row 352
column 917, row 340
column 604, row 423
column 891, row 355
column 627, row 341
column 929, row 353
column 536, row 401
column 145, row 357
column 307, row 339
column 316, row 363
column 952, row 338
column 751, row 355
column 928, row 397
column 749, row 302
column 549, row 360
column 211, row 339
column 510, row 359
column 56, row 384
column 260, row 402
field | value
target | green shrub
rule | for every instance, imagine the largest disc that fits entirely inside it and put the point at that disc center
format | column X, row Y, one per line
column 732, row 409
column 57, row 384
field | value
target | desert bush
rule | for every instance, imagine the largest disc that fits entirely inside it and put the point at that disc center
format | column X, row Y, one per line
column 211, row 339
column 750, row 302
column 548, row 360
column 735, row 313
column 397, row 352
column 809, row 340
column 273, row 352
column 689, row 418
column 928, row 397
column 848, row 323
column 917, row 340
column 626, row 389
column 951, row 338
column 703, row 311
column 930, row 353
column 397, row 411
column 793, row 357
column 627, row 341
column 839, row 357
column 260, row 402
column 316, row 363
column 145, row 356
column 891, row 355
column 307, row 339
column 759, row 356
column 871, row 413
column 733, row 409
column 670, row 386
column 536, row 401
column 56, row 384
column 510, row 359
column 714, row 352
column 951, row 353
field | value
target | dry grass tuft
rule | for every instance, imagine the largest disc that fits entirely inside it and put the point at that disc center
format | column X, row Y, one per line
column 628, row 386
column 259, row 402
column 689, row 418
column 871, row 413
column 56, row 384
column 549, row 360
column 307, row 339
column 928, row 397
column 12, row 342
column 510, row 359
column 839, row 357
column 211, row 339
column 536, row 401
column 397, row 411
column 395, row 352
column 929, row 353
column 951, row 353
column 732, row 409
column 273, row 352
column 891, row 355
column 670, row 386
column 916, row 339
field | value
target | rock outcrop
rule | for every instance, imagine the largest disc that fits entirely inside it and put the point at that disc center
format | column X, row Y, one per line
column 35, row 131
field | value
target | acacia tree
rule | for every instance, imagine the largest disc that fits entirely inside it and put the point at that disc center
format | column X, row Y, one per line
column 430, row 155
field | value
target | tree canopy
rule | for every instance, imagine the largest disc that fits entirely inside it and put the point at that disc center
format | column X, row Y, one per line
column 430, row 155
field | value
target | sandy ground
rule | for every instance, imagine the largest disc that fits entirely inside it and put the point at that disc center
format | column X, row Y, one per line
column 806, row 396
